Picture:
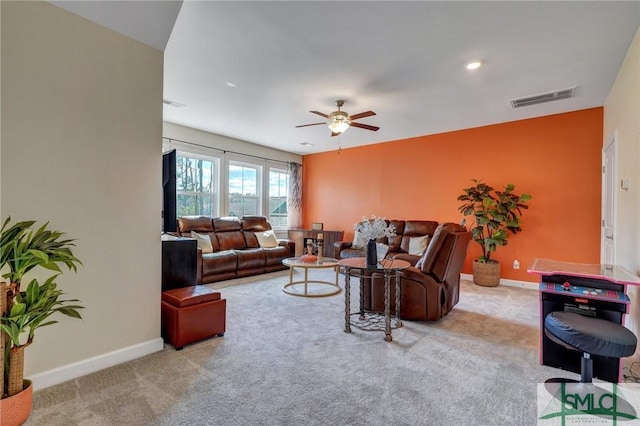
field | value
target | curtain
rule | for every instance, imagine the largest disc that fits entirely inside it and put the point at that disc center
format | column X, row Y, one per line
column 294, row 196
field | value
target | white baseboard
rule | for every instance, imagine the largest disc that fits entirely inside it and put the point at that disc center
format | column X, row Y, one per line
column 91, row 365
column 510, row 283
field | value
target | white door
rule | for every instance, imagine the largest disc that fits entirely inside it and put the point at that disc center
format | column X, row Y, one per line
column 607, row 255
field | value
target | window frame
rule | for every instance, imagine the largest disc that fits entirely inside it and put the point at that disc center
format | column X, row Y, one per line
column 216, row 189
column 273, row 166
column 224, row 159
column 244, row 162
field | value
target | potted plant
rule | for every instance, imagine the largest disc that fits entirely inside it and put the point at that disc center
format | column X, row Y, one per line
column 23, row 311
column 496, row 214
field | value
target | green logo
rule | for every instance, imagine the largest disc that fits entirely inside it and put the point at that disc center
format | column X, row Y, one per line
column 587, row 403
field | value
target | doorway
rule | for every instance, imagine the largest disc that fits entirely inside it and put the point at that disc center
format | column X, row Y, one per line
column 607, row 253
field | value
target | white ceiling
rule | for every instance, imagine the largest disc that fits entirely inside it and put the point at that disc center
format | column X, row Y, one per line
column 148, row 21
column 403, row 60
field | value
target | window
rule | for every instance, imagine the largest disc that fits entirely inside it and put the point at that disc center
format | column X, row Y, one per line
column 244, row 194
column 278, row 188
column 197, row 185
column 224, row 184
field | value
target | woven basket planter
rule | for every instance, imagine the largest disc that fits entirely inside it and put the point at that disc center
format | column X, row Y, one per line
column 486, row 274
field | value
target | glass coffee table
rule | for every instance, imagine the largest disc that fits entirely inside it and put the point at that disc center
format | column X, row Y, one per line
column 369, row 321
column 311, row 287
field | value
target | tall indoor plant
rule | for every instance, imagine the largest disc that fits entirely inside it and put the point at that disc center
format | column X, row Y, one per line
column 496, row 214
column 23, row 311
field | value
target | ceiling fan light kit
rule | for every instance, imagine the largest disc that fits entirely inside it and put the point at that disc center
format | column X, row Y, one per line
column 339, row 121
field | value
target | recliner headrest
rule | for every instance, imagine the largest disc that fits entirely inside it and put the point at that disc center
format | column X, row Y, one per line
column 426, row 262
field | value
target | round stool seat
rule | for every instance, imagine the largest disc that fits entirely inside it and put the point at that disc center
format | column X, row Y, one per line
column 591, row 335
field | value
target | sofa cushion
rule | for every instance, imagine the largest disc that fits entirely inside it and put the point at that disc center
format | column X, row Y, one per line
column 200, row 224
column 250, row 238
column 267, row 239
column 204, row 242
column 417, row 245
column 395, row 241
column 255, row 223
column 416, row 228
column 221, row 261
column 189, row 296
column 231, row 240
column 274, row 256
column 351, row 252
column 224, row 224
column 250, row 258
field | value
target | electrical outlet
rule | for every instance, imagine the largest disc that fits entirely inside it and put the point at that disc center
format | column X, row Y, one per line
column 516, row 264
column 624, row 183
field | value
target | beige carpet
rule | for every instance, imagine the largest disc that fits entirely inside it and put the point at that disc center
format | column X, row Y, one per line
column 286, row 360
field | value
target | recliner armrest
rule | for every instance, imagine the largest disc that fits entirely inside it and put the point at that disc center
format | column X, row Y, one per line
column 338, row 246
column 411, row 258
column 289, row 244
column 436, row 296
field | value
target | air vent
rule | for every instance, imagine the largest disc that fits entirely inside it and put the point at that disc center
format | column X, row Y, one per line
column 544, row 97
column 173, row 103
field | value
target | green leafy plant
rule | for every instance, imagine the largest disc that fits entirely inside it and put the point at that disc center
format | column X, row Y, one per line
column 22, row 249
column 496, row 214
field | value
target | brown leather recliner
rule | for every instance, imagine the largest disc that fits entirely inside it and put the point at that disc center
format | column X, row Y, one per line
column 431, row 289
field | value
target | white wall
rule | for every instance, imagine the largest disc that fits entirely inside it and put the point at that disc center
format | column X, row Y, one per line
column 622, row 114
column 1, row 113
column 219, row 142
column 81, row 111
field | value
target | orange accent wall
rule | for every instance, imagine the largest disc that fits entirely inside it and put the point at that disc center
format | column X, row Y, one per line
column 557, row 159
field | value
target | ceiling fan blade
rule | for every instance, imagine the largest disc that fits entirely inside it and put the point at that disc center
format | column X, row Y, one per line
column 312, row 124
column 365, row 126
column 321, row 114
column 362, row 115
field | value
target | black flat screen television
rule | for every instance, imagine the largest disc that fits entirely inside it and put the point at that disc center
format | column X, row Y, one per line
column 169, row 195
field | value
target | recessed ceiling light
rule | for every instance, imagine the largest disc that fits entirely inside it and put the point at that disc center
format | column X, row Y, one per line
column 230, row 84
column 306, row 144
column 473, row 65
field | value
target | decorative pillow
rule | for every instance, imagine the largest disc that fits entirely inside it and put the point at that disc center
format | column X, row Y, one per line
column 267, row 239
column 359, row 242
column 417, row 245
column 204, row 242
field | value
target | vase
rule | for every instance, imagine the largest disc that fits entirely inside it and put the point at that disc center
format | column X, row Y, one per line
column 372, row 254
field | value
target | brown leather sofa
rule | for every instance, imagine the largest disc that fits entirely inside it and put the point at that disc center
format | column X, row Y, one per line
column 399, row 244
column 235, row 248
column 431, row 288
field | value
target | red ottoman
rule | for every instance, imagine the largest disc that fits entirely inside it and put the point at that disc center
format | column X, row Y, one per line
column 189, row 314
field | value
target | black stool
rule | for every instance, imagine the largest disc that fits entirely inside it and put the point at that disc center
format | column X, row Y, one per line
column 591, row 336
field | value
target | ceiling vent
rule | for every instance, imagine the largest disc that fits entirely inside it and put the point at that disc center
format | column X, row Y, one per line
column 544, row 97
column 173, row 103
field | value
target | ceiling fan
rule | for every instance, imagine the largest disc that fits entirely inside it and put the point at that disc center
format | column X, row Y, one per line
column 339, row 121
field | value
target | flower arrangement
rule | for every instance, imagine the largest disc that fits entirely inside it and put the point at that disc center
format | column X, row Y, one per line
column 374, row 227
